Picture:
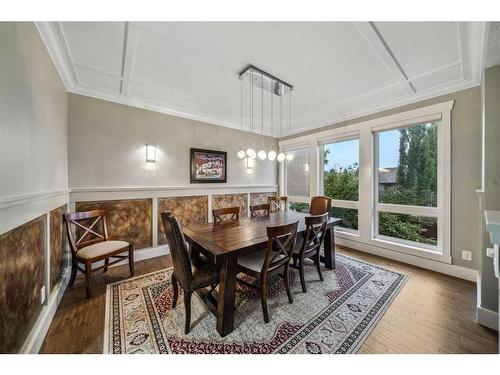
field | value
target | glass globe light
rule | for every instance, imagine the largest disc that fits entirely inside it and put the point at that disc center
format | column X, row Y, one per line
column 241, row 154
column 280, row 157
column 262, row 155
column 271, row 155
column 251, row 153
column 289, row 157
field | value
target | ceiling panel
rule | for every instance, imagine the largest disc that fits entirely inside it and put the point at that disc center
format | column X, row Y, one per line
column 421, row 47
column 339, row 70
column 98, row 80
column 96, row 45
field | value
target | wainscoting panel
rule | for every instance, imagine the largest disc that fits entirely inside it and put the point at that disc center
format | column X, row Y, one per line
column 189, row 211
column 58, row 254
column 231, row 200
column 260, row 198
column 128, row 220
column 22, row 265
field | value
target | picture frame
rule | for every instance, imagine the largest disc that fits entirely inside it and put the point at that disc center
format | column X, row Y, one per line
column 208, row 166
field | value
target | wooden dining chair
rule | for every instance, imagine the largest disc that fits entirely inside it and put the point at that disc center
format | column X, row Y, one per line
column 221, row 214
column 89, row 245
column 320, row 205
column 260, row 210
column 277, row 203
column 309, row 245
column 275, row 259
column 191, row 274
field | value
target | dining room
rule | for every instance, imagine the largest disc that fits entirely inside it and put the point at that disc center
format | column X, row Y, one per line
column 249, row 187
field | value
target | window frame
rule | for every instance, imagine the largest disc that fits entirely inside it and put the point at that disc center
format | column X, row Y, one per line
column 340, row 203
column 367, row 205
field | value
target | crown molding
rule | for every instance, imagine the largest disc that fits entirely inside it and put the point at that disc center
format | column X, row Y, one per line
column 472, row 36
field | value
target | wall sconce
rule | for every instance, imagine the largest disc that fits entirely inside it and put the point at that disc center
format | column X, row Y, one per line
column 150, row 153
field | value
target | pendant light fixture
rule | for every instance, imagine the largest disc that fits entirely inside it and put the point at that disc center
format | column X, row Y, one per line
column 268, row 85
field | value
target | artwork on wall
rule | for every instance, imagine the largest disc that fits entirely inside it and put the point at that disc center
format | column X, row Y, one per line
column 208, row 166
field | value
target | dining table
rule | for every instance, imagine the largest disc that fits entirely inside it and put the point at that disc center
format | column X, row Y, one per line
column 225, row 242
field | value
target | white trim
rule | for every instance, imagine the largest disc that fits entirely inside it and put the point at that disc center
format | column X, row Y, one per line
column 407, row 209
column 345, row 204
column 487, row 318
column 37, row 334
column 448, row 269
column 18, row 210
column 54, row 40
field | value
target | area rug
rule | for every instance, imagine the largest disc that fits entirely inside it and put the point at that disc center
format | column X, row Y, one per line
column 334, row 316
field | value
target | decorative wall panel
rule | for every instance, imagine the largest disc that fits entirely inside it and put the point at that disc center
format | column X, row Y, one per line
column 189, row 211
column 58, row 254
column 127, row 220
column 260, row 198
column 22, row 263
column 231, row 200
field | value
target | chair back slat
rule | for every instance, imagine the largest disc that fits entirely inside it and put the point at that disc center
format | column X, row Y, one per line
column 276, row 203
column 178, row 249
column 280, row 244
column 221, row 214
column 320, row 205
column 77, row 228
column 260, row 209
column 315, row 233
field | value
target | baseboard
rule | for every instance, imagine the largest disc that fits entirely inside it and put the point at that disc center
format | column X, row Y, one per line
column 487, row 318
column 142, row 254
column 37, row 334
column 448, row 269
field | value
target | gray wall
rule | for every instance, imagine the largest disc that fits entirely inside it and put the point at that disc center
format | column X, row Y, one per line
column 33, row 114
column 107, row 147
column 465, row 168
column 491, row 100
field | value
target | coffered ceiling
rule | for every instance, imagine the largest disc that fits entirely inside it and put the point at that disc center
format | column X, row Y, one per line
column 339, row 70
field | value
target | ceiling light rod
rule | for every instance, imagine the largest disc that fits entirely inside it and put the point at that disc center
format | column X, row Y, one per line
column 254, row 69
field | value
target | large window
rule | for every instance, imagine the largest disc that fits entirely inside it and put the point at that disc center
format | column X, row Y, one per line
column 406, row 183
column 389, row 179
column 341, row 179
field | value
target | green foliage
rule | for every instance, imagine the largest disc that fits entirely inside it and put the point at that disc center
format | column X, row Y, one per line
column 299, row 207
column 416, row 184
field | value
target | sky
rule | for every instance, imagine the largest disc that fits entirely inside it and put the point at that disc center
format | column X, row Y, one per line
column 343, row 154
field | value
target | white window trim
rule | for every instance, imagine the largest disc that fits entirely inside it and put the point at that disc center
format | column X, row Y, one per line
column 367, row 213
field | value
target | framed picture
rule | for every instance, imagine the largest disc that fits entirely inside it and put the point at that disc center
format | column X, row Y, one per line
column 208, row 166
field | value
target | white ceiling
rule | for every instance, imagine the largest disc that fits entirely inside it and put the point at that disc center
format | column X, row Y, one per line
column 340, row 70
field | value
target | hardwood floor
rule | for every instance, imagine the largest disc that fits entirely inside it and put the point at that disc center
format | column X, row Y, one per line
column 433, row 313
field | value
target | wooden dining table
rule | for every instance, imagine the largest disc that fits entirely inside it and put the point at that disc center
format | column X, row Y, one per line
column 225, row 242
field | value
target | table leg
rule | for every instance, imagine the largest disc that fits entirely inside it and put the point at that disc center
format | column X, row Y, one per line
column 329, row 248
column 227, row 296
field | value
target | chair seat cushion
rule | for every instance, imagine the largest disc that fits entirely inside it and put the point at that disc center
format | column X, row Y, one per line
column 102, row 248
column 204, row 272
column 255, row 261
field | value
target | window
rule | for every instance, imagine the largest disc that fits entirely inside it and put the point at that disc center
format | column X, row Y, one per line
column 341, row 180
column 406, row 183
column 297, row 175
column 389, row 179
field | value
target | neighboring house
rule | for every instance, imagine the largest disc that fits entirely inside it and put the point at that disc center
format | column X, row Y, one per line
column 386, row 178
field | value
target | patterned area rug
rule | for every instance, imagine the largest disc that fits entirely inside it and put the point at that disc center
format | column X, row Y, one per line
column 334, row 316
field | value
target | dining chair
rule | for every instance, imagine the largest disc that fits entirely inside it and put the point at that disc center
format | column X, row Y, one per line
column 275, row 259
column 309, row 245
column 277, row 203
column 191, row 273
column 320, row 205
column 260, row 210
column 89, row 245
column 220, row 214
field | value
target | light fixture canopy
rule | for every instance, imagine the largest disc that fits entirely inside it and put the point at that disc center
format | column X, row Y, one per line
column 241, row 154
column 150, row 153
column 262, row 155
column 281, row 156
column 271, row 155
